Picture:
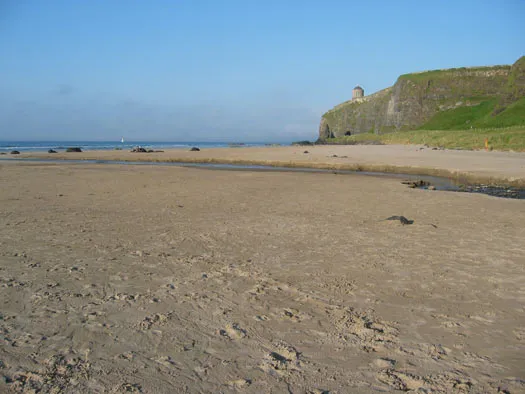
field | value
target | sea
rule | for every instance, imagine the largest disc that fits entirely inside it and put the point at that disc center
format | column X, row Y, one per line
column 35, row 146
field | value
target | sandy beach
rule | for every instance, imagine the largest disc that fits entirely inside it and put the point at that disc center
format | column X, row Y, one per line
column 151, row 279
column 476, row 166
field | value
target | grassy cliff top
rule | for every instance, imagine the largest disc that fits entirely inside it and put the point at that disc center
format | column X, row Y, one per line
column 440, row 74
column 448, row 72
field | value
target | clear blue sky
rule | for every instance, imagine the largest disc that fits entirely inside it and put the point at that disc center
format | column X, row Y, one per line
column 225, row 70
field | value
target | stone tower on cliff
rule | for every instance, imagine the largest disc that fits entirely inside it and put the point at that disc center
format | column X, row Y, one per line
column 358, row 92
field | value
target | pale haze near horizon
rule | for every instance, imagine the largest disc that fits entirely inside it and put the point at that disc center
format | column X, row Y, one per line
column 242, row 71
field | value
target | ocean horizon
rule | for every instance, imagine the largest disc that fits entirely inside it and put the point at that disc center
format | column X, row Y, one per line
column 36, row 146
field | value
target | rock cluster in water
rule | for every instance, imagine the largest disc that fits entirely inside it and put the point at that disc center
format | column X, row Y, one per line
column 416, row 183
column 497, row 191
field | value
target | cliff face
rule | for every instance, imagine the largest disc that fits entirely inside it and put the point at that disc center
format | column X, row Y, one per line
column 427, row 97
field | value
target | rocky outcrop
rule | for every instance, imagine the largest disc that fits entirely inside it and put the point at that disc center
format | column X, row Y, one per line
column 416, row 98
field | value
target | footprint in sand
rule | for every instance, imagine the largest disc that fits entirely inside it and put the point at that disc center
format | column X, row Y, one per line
column 233, row 331
column 400, row 380
column 438, row 352
column 167, row 361
column 123, row 297
column 292, row 314
column 384, row 363
column 446, row 382
column 282, row 360
column 258, row 289
column 156, row 319
column 519, row 333
column 363, row 330
column 450, row 324
column 127, row 355
column 239, row 383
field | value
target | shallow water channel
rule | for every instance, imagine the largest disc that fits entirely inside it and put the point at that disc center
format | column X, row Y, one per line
column 439, row 183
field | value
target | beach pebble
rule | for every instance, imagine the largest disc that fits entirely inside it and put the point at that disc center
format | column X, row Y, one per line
column 194, row 149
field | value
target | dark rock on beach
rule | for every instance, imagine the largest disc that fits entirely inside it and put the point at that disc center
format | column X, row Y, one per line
column 15, row 152
column 140, row 149
column 403, row 220
column 74, row 149
column 194, row 149
column 51, row 151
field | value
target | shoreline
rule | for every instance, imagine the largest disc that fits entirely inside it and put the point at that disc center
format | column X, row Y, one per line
column 469, row 167
column 456, row 177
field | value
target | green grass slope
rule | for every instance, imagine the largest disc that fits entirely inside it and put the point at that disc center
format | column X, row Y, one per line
column 482, row 115
column 502, row 139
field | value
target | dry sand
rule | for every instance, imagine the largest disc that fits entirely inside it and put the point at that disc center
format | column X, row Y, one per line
column 506, row 167
column 118, row 278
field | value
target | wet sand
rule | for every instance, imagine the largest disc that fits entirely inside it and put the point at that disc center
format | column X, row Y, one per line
column 476, row 166
column 119, row 278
